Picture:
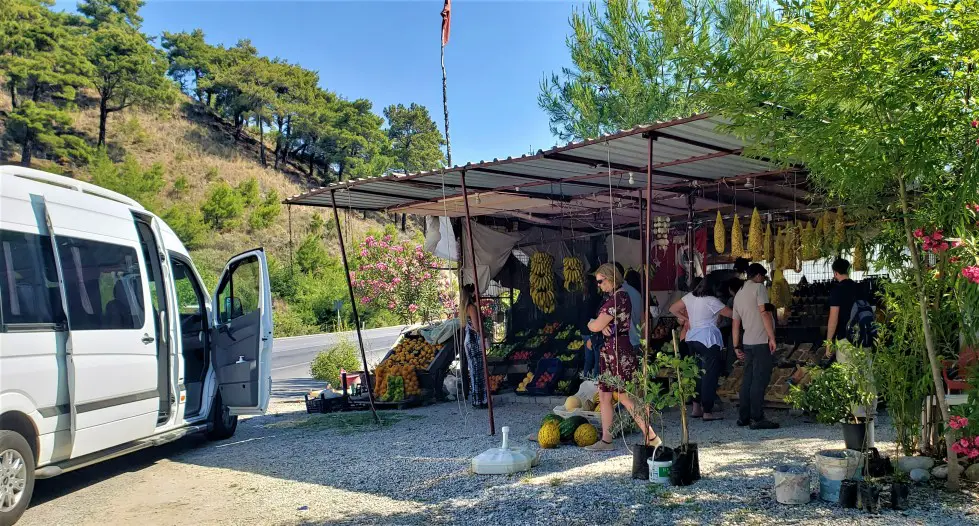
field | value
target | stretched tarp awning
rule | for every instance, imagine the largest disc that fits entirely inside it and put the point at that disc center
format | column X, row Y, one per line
column 579, row 183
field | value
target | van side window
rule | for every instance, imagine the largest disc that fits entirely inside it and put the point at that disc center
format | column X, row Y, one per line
column 103, row 285
column 190, row 297
column 29, row 292
column 240, row 293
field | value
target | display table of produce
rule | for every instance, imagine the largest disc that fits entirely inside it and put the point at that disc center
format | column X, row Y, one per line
column 792, row 363
column 412, row 372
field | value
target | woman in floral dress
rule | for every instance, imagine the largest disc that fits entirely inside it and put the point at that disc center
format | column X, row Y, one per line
column 617, row 357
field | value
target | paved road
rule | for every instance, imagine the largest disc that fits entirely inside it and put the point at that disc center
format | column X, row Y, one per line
column 291, row 356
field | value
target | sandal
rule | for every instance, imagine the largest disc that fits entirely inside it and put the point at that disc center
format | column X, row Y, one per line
column 710, row 417
column 601, row 445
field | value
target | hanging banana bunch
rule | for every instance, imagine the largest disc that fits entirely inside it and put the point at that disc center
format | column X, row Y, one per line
column 574, row 276
column 780, row 294
column 719, row 233
column 767, row 253
column 809, row 249
column 542, row 281
column 797, row 247
column 737, row 239
column 840, row 228
column 859, row 257
column 789, row 248
column 779, row 250
column 756, row 236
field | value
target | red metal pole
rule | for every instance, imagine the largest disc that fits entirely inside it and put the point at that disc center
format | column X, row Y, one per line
column 353, row 305
column 479, row 312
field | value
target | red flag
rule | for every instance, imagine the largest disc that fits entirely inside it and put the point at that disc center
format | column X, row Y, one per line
column 446, row 15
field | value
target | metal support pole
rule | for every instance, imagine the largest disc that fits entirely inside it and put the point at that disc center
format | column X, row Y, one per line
column 479, row 312
column 647, row 284
column 290, row 241
column 691, row 199
column 353, row 305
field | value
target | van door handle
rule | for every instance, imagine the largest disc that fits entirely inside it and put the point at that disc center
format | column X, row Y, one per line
column 147, row 339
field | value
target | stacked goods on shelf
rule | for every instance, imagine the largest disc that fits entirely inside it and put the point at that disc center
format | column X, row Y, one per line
column 767, row 253
column 495, row 381
column 409, row 354
column 737, row 239
column 661, row 231
column 859, row 257
column 549, row 329
column 542, row 282
column 522, row 386
column 792, row 368
column 756, row 237
column 576, row 344
column 574, row 274
column 569, row 331
column 719, row 234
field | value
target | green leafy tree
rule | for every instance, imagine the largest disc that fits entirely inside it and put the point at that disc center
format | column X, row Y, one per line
column 629, row 64
column 223, row 85
column 191, row 61
column 266, row 212
column 313, row 126
column 223, row 206
column 128, row 71
column 356, row 145
column 43, row 65
column 128, row 178
column 416, row 139
column 876, row 98
column 116, row 12
column 249, row 191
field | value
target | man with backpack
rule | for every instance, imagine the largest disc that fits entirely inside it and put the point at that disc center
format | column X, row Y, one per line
column 851, row 318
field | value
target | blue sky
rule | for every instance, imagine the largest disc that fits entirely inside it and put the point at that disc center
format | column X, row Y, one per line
column 388, row 52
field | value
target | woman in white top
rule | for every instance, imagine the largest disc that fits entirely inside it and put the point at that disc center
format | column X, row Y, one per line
column 701, row 309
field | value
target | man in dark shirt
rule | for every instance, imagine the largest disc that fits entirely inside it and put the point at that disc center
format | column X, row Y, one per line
column 841, row 300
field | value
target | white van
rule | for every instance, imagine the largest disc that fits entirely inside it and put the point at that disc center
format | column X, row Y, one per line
column 109, row 342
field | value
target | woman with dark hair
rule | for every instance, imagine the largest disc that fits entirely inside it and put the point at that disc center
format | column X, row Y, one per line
column 473, row 348
column 700, row 309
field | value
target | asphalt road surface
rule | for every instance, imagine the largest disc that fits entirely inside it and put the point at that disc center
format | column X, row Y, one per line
column 291, row 356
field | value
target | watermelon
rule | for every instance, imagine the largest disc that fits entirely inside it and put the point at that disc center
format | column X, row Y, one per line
column 570, row 425
column 551, row 417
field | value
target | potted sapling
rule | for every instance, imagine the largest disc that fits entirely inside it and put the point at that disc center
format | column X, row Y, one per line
column 683, row 374
column 829, row 397
column 645, row 391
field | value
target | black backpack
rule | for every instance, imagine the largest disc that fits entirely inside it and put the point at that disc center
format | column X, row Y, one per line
column 862, row 328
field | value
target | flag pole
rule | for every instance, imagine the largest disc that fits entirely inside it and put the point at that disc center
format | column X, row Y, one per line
column 445, row 101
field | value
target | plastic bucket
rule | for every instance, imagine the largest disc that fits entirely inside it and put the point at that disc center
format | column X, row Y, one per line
column 835, row 466
column 792, row 485
column 660, row 466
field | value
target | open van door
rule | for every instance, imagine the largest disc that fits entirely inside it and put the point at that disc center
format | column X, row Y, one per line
column 242, row 334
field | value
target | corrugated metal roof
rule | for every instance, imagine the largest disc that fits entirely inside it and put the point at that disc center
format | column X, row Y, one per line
column 570, row 179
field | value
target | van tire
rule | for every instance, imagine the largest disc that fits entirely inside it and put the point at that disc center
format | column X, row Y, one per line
column 13, row 445
column 223, row 425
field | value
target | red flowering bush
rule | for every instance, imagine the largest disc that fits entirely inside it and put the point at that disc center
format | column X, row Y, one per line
column 400, row 277
column 967, row 445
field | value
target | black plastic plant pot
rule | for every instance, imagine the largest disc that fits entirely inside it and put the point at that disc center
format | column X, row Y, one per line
column 879, row 466
column 684, row 466
column 848, row 494
column 854, row 435
column 640, row 456
column 870, row 497
column 900, row 495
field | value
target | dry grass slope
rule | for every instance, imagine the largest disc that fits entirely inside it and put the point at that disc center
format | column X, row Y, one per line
column 196, row 147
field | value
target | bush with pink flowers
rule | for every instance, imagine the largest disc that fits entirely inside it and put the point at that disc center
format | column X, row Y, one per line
column 399, row 276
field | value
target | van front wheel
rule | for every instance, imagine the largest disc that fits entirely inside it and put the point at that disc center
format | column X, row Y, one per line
column 223, row 423
column 16, row 476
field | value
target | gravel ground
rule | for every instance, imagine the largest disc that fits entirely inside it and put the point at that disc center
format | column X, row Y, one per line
column 291, row 468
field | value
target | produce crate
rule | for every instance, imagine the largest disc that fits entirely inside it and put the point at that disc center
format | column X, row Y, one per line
column 552, row 366
column 321, row 404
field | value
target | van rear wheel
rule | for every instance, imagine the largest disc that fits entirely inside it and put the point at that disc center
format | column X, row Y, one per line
column 16, row 476
column 223, row 423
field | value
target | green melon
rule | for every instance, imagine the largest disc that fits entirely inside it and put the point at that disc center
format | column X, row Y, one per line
column 569, row 426
column 551, row 417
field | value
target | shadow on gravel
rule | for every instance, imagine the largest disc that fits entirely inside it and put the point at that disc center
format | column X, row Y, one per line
column 50, row 489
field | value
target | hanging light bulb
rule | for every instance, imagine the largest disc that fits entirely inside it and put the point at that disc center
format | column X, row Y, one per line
column 632, row 179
